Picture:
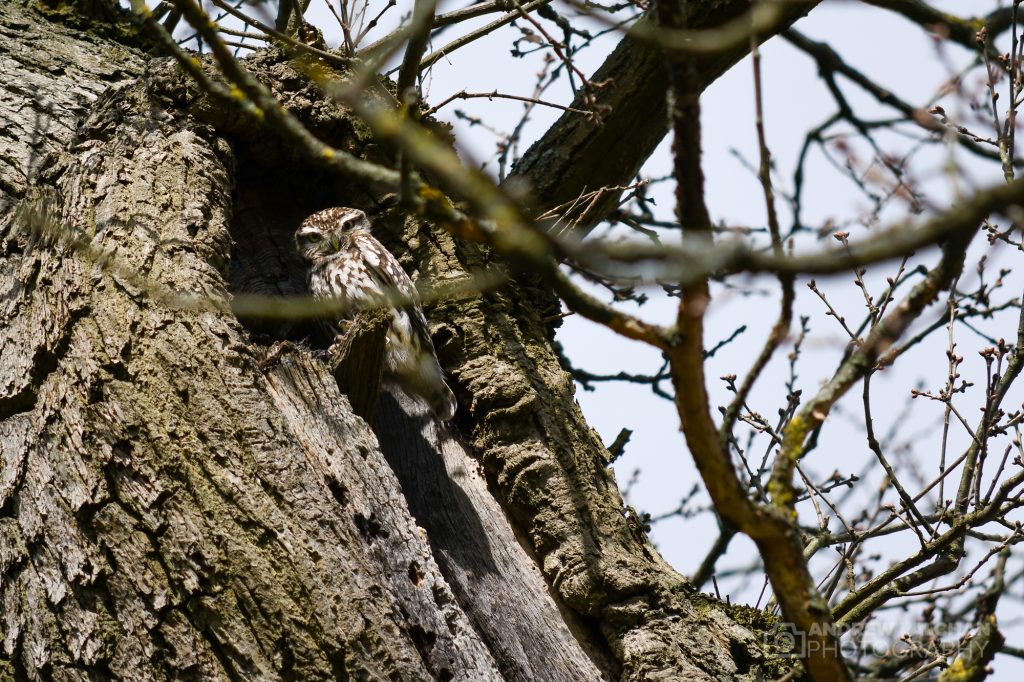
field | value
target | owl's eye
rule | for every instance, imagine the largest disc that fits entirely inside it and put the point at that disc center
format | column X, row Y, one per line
column 314, row 237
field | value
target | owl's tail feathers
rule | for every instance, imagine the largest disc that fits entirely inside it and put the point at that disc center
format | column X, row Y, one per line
column 442, row 401
column 426, row 379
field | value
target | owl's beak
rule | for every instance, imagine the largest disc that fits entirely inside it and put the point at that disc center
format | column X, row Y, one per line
column 335, row 242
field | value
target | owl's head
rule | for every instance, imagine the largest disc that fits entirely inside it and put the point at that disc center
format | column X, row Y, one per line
column 329, row 232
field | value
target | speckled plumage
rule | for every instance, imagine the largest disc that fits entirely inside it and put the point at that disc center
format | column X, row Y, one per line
column 348, row 264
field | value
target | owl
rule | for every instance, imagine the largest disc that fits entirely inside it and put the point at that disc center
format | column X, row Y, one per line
column 347, row 264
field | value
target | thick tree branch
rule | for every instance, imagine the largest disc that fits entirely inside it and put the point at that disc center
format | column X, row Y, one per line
column 577, row 155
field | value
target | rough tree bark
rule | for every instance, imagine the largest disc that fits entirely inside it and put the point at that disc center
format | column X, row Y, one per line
column 176, row 501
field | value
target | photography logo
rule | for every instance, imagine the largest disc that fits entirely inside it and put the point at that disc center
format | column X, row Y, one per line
column 873, row 639
column 787, row 640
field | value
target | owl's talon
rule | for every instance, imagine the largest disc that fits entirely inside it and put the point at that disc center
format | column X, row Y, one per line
column 273, row 356
column 324, row 354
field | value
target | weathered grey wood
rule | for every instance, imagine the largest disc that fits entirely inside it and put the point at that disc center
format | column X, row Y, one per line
column 397, row 557
column 478, row 552
column 358, row 360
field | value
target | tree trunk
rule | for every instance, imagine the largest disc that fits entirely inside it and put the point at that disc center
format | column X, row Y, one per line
column 180, row 498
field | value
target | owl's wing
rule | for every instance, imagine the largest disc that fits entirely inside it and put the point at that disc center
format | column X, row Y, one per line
column 386, row 269
column 411, row 357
